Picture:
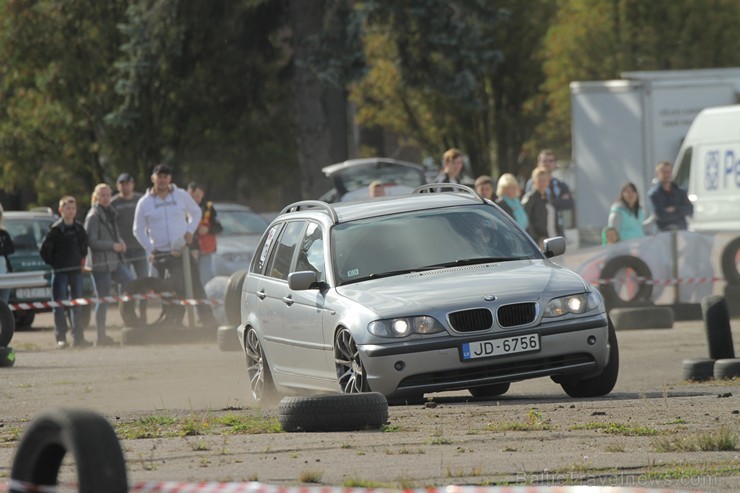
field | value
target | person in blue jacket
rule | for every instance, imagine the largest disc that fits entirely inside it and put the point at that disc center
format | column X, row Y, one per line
column 626, row 214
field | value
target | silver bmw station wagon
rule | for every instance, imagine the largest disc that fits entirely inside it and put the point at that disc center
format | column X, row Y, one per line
column 408, row 295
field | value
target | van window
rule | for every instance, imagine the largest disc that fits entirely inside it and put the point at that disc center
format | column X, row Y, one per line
column 684, row 170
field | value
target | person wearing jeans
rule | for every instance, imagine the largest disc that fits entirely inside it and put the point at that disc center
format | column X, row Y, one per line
column 63, row 248
column 105, row 255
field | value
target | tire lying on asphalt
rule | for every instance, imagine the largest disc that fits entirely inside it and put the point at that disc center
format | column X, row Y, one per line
column 647, row 317
column 727, row 368
column 169, row 314
column 7, row 324
column 227, row 338
column 233, row 297
column 87, row 436
column 698, row 369
column 7, row 357
column 730, row 256
column 603, row 383
column 333, row 412
column 613, row 270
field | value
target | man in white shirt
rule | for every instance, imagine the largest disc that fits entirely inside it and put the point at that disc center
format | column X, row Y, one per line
column 165, row 220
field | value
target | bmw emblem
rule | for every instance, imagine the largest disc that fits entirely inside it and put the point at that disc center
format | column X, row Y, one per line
column 489, row 297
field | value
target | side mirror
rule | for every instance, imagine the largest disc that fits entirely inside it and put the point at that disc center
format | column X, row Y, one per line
column 303, row 280
column 554, row 246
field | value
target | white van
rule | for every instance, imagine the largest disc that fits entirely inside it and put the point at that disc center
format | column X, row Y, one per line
column 708, row 168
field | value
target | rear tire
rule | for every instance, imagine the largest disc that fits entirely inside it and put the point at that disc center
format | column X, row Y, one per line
column 87, row 436
column 603, row 383
column 258, row 371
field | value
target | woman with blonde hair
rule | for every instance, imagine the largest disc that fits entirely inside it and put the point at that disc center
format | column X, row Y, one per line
column 6, row 248
column 508, row 190
column 105, row 249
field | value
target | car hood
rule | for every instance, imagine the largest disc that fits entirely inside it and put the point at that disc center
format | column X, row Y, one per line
column 462, row 287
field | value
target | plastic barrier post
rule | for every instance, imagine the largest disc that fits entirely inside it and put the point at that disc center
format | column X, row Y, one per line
column 674, row 264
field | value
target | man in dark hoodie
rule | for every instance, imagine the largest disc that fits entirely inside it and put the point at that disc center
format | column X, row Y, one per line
column 64, row 248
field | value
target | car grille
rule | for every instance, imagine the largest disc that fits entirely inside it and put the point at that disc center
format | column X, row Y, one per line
column 517, row 314
column 515, row 369
column 471, row 320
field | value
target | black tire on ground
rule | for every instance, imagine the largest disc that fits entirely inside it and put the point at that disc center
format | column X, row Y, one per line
column 24, row 319
column 488, row 391
column 334, row 412
column 717, row 326
column 732, row 298
column 233, row 297
column 170, row 314
column 730, row 265
column 610, row 272
column 407, row 400
column 649, row 317
column 727, row 368
column 87, row 436
column 133, row 336
column 227, row 338
column 7, row 357
column 7, row 324
column 603, row 383
column 698, row 369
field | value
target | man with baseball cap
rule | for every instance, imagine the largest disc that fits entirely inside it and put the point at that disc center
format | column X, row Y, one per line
column 165, row 220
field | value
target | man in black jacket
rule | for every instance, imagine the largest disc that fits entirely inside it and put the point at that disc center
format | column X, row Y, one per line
column 64, row 248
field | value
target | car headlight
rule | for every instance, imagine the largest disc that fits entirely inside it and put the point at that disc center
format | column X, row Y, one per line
column 402, row 327
column 576, row 304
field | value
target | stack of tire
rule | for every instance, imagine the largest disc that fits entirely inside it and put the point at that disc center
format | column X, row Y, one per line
column 227, row 338
column 7, row 329
column 721, row 363
column 635, row 311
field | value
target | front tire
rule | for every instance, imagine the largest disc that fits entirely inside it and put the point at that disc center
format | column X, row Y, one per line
column 350, row 370
column 258, row 371
column 603, row 383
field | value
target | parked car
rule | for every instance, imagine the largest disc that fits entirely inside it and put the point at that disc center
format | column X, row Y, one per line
column 27, row 229
column 352, row 178
column 235, row 244
column 415, row 294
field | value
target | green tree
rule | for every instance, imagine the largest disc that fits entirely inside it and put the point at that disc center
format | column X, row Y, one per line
column 600, row 39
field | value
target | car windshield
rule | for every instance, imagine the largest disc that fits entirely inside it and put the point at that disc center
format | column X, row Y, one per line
column 425, row 240
column 27, row 233
column 241, row 222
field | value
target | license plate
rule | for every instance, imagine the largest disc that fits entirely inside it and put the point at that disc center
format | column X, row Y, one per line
column 500, row 347
column 33, row 293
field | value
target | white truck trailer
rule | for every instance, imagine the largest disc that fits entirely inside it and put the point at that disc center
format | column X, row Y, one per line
column 622, row 128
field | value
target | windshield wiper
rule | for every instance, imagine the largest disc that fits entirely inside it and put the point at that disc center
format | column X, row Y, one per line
column 390, row 273
column 473, row 261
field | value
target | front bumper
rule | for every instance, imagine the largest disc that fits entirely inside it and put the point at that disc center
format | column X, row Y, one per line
column 576, row 346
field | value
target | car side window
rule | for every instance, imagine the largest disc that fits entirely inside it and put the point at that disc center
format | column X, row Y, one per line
column 282, row 255
column 311, row 253
column 259, row 261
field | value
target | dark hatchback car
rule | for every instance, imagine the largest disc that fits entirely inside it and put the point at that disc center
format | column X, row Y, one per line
column 27, row 229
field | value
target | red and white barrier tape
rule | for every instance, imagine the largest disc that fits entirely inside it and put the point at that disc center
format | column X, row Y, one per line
column 164, row 297
column 658, row 282
column 254, row 487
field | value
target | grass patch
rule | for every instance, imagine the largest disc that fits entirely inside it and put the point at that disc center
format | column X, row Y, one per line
column 312, row 477
column 615, row 447
column 244, row 424
column 388, row 428
column 168, row 426
column 722, row 440
column 438, row 441
column 619, row 429
column 364, row 483
column 533, row 422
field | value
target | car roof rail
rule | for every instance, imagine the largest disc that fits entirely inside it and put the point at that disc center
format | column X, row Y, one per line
column 318, row 204
column 455, row 187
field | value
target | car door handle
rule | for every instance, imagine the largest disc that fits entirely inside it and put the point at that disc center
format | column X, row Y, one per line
column 288, row 300
column 261, row 294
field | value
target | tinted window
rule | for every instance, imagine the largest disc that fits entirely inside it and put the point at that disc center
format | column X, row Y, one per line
column 417, row 240
column 311, row 254
column 282, row 255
